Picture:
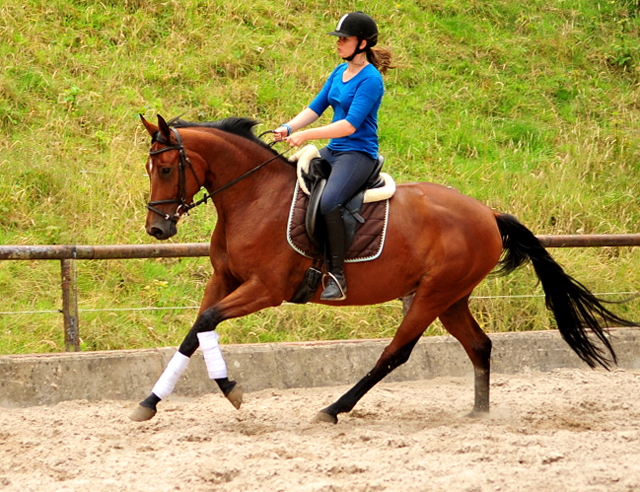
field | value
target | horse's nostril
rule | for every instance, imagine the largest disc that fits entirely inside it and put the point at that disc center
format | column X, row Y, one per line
column 156, row 232
column 162, row 230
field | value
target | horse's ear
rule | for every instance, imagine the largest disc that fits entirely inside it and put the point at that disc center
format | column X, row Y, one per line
column 151, row 128
column 164, row 128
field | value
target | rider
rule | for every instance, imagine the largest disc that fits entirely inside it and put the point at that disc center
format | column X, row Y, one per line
column 354, row 90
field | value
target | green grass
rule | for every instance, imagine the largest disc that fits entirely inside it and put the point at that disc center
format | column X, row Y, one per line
column 532, row 107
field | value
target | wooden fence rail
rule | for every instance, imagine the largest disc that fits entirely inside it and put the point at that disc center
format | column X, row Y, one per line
column 69, row 254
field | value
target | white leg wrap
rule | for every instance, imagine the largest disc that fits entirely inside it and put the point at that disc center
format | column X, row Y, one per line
column 216, row 366
column 175, row 368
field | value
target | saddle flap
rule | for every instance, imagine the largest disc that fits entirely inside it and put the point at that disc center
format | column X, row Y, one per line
column 369, row 239
column 313, row 212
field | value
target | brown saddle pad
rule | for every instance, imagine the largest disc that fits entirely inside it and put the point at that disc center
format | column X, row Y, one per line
column 367, row 244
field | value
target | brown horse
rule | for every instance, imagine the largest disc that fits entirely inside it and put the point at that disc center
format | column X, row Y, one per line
column 440, row 245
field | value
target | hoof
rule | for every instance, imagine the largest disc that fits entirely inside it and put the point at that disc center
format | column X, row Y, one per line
column 235, row 396
column 477, row 414
column 324, row 417
column 141, row 414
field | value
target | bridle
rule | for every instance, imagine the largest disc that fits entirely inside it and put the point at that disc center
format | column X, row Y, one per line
column 181, row 198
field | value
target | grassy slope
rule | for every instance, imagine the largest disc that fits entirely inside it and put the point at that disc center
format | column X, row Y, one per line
column 532, row 107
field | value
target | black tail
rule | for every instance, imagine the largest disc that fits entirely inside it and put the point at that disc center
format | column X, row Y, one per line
column 577, row 311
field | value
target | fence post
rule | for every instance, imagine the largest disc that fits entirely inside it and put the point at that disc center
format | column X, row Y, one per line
column 70, row 305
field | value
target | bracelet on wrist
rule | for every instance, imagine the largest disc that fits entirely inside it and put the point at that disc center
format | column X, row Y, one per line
column 288, row 128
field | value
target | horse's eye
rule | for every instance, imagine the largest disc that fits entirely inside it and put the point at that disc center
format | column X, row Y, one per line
column 165, row 171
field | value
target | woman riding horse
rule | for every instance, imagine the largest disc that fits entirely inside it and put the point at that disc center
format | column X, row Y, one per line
column 439, row 246
column 354, row 90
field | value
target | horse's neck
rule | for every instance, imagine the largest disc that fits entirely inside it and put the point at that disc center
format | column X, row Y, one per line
column 229, row 158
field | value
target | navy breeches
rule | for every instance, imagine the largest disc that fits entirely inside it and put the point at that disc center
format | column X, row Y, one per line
column 349, row 172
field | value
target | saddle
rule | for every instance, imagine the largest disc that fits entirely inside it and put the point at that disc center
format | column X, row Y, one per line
column 313, row 173
column 365, row 216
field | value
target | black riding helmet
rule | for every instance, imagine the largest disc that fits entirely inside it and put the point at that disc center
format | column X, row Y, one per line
column 360, row 25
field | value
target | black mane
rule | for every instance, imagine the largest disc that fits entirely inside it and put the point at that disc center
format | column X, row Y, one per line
column 242, row 127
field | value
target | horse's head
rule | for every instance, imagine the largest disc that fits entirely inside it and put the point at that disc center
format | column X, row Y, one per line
column 173, row 179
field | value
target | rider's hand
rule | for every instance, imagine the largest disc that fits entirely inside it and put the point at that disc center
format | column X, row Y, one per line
column 280, row 133
column 296, row 139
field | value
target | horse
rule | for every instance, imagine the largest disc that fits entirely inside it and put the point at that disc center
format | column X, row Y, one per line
column 440, row 244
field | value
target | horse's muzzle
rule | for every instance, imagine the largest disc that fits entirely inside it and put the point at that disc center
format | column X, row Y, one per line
column 162, row 229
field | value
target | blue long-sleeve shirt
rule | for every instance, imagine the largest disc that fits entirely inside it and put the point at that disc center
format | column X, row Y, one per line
column 356, row 101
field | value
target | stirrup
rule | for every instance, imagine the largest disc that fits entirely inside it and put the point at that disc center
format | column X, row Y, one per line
column 342, row 295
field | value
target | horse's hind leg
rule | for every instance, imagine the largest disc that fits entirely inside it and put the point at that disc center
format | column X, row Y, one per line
column 388, row 362
column 424, row 310
column 459, row 321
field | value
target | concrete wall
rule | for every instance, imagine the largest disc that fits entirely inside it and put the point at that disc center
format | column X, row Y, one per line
column 45, row 379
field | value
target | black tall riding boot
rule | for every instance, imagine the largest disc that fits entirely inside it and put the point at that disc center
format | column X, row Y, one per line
column 336, row 286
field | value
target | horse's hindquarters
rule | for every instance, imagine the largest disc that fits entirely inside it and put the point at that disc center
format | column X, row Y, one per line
column 436, row 234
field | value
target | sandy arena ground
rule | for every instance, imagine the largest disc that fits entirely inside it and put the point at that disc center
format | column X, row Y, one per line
column 569, row 430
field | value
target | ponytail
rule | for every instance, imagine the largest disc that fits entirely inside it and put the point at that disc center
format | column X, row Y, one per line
column 380, row 58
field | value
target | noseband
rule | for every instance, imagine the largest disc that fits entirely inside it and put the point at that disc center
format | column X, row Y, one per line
column 181, row 198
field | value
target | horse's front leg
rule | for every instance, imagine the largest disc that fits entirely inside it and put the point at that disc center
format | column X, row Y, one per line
column 246, row 299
